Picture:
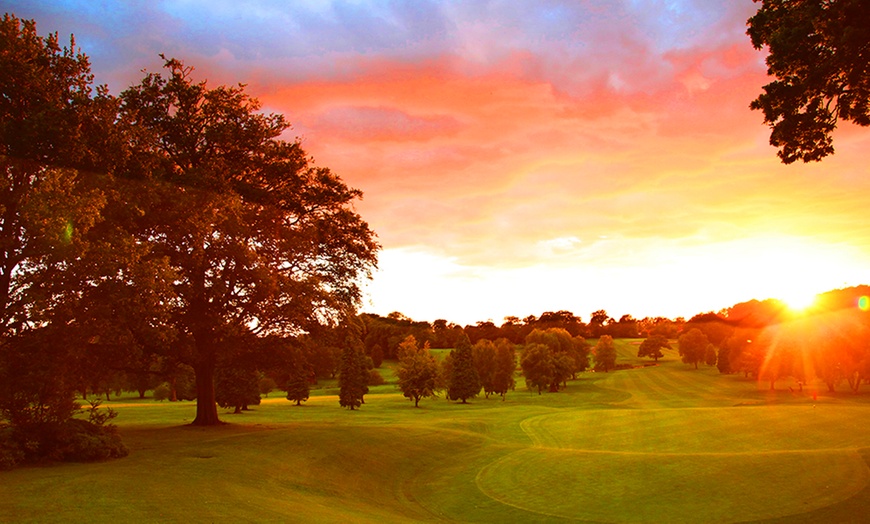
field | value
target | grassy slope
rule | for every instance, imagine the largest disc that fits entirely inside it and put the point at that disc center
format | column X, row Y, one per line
column 650, row 444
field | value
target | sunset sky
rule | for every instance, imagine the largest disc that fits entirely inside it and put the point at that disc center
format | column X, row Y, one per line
column 522, row 157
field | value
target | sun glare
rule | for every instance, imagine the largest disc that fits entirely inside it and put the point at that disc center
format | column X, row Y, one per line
column 799, row 300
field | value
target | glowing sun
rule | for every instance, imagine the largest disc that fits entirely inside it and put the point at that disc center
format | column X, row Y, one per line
column 799, row 300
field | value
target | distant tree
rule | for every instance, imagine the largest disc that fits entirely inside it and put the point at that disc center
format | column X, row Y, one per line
column 580, row 355
column 237, row 388
column 324, row 360
column 598, row 323
column 445, row 370
column 505, row 366
column 267, row 385
column 418, row 373
column 408, row 346
column 818, row 54
column 538, row 366
column 710, row 355
column 353, row 377
column 375, row 378
column 464, row 382
column 663, row 327
column 298, row 377
column 559, row 319
column 564, row 365
column 482, row 330
column 377, row 354
column 723, row 360
column 693, row 347
column 713, row 326
column 625, row 327
column 569, row 353
column 605, row 354
column 652, row 347
column 483, row 352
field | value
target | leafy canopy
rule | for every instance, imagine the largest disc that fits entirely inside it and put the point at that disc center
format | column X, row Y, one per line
column 820, row 56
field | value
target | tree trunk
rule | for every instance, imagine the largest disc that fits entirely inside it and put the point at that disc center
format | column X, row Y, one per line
column 173, row 391
column 206, row 407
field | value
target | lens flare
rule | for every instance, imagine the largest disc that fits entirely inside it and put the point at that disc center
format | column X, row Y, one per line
column 864, row 303
column 68, row 232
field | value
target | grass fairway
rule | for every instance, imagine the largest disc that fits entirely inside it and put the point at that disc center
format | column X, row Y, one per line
column 658, row 444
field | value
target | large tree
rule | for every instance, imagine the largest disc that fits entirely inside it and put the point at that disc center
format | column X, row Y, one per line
column 259, row 241
column 50, row 197
column 820, row 56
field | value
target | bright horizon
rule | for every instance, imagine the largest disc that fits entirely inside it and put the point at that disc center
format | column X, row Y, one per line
column 519, row 159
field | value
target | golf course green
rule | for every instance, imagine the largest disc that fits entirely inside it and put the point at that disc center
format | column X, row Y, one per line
column 663, row 443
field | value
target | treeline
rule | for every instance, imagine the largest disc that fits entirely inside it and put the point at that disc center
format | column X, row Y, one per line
column 384, row 334
column 550, row 357
column 830, row 341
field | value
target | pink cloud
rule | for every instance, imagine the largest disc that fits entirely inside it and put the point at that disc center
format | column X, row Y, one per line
column 382, row 124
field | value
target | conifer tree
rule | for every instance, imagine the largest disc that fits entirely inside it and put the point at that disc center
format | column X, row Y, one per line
column 237, row 388
column 298, row 387
column 463, row 381
column 505, row 365
column 353, row 377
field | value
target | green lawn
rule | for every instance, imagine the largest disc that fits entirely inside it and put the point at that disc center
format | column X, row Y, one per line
column 664, row 443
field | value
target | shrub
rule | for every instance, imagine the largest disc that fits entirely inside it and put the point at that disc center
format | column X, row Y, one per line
column 375, row 378
column 11, row 453
column 84, row 441
column 267, row 385
column 74, row 440
column 162, row 392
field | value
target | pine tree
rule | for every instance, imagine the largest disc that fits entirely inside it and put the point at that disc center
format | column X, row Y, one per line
column 298, row 387
column 237, row 388
column 463, row 382
column 505, row 365
column 353, row 377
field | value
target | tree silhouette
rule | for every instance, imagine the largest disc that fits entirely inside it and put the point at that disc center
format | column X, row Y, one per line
column 464, row 382
column 258, row 241
column 819, row 51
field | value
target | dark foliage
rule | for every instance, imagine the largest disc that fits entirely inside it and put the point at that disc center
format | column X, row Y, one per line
column 820, row 56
